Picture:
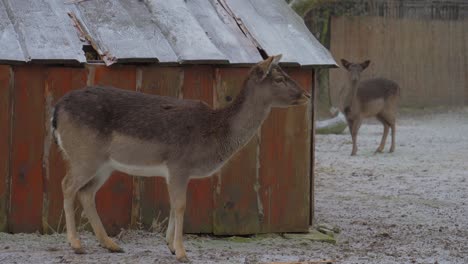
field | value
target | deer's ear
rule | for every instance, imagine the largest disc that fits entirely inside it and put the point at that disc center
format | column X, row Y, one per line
column 266, row 65
column 365, row 64
column 345, row 63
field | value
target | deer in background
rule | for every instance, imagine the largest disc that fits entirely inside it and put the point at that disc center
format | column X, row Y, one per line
column 368, row 98
column 101, row 129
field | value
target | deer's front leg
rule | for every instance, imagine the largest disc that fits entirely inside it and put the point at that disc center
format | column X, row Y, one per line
column 177, row 188
column 356, row 124
column 170, row 232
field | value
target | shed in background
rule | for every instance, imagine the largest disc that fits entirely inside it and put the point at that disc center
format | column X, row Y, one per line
column 198, row 49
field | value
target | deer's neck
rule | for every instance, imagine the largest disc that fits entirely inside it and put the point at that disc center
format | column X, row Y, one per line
column 245, row 115
column 353, row 101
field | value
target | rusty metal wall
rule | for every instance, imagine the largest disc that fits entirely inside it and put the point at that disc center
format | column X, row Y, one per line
column 264, row 188
column 428, row 58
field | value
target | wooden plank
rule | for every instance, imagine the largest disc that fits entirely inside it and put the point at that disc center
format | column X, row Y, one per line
column 198, row 84
column 114, row 199
column 6, row 89
column 313, row 91
column 26, row 162
column 155, row 198
column 285, row 165
column 236, row 199
column 59, row 81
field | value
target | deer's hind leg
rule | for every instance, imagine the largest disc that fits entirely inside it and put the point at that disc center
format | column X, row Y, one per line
column 87, row 195
column 77, row 177
column 69, row 189
column 393, row 126
column 390, row 120
column 385, row 133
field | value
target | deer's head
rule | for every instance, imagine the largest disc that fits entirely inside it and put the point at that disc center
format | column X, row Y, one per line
column 273, row 83
column 355, row 69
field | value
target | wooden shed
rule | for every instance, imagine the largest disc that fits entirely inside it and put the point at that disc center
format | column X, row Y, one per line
column 199, row 49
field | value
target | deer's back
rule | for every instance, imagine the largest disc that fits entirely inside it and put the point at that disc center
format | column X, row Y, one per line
column 377, row 88
column 107, row 110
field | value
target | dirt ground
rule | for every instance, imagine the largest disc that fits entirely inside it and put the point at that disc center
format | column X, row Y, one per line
column 407, row 207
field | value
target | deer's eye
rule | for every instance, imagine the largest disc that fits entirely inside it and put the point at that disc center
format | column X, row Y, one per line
column 279, row 79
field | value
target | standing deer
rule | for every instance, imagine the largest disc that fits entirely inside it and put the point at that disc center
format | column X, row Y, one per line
column 372, row 97
column 101, row 129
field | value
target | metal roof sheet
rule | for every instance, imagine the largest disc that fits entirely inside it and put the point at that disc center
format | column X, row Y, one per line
column 278, row 29
column 42, row 31
column 176, row 31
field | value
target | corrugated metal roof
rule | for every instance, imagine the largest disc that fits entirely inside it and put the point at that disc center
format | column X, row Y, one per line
column 176, row 31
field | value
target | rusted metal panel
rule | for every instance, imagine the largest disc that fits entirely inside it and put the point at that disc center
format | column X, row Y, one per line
column 278, row 29
column 58, row 82
column 237, row 203
column 26, row 157
column 198, row 84
column 11, row 48
column 6, row 90
column 187, row 38
column 224, row 32
column 114, row 199
column 285, row 165
column 166, row 81
column 43, row 35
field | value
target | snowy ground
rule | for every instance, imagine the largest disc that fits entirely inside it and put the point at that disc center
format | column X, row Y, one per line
column 407, row 207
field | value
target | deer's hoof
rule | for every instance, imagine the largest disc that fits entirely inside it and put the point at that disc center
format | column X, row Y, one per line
column 378, row 151
column 116, row 250
column 181, row 255
column 76, row 246
column 171, row 248
column 79, row 251
column 183, row 259
column 113, row 247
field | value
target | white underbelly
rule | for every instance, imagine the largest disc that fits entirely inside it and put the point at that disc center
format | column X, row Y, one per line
column 139, row 170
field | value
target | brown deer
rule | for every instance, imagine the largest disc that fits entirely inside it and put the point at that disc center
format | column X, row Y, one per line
column 102, row 129
column 372, row 97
